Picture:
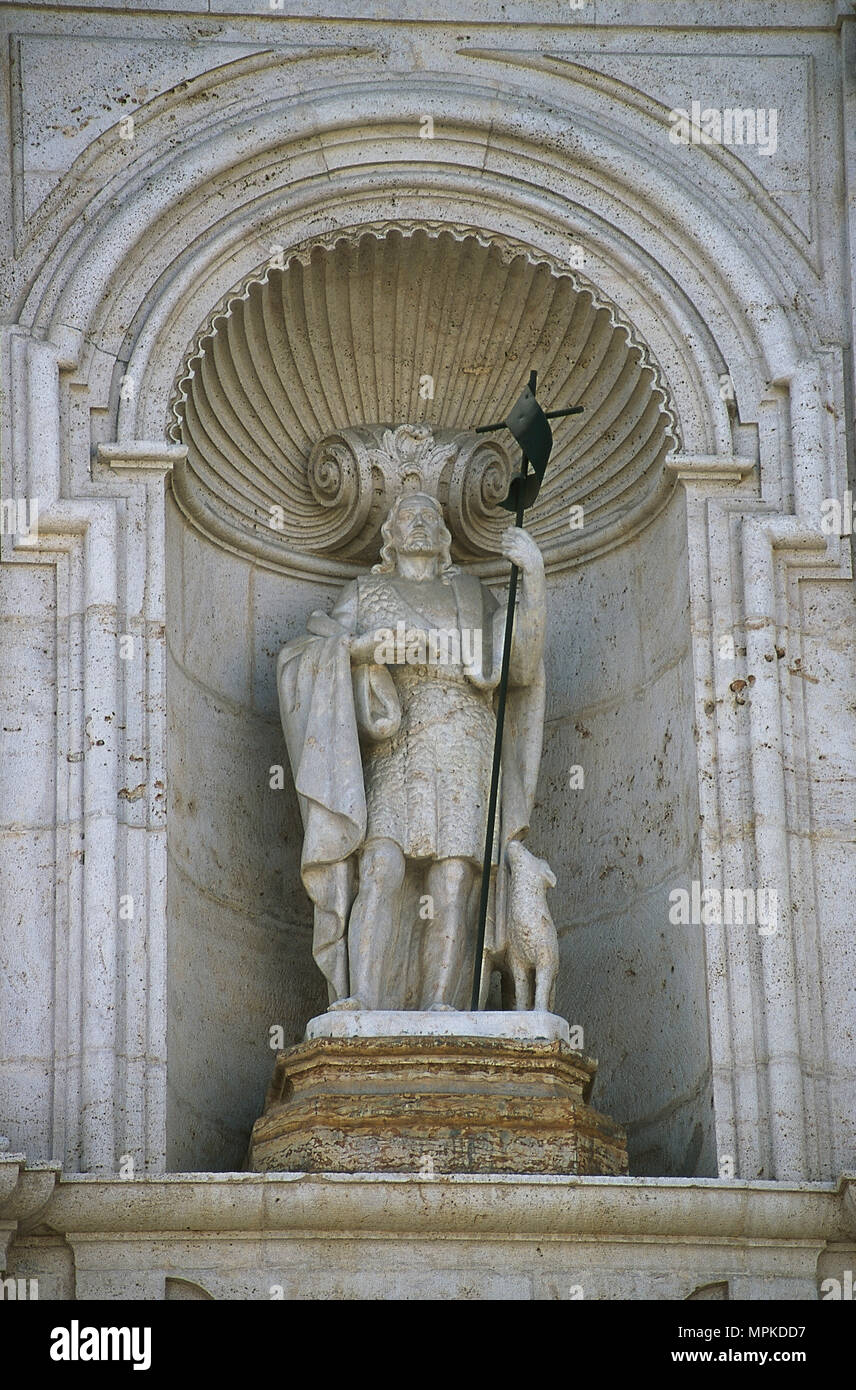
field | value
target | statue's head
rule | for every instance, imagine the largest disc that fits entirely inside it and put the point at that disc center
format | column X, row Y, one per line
column 415, row 526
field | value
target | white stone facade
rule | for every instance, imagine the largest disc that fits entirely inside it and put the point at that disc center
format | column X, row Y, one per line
column 166, row 171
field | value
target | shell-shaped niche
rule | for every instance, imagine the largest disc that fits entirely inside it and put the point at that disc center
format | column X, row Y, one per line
column 416, row 326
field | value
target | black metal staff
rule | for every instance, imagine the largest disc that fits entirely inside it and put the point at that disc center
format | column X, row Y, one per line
column 530, row 426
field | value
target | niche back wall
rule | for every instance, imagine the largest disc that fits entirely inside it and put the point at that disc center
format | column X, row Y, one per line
column 620, row 709
column 240, row 924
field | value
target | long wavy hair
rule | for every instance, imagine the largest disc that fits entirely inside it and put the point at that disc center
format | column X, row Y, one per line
column 388, row 552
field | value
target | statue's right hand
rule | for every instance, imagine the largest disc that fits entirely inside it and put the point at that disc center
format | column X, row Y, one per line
column 366, row 648
column 320, row 624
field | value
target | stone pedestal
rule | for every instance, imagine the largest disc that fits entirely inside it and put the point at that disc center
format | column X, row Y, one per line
column 443, row 1093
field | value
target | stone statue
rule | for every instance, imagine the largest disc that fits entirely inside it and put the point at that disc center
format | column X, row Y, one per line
column 388, row 711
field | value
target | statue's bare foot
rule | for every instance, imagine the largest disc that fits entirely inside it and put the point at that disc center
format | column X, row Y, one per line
column 442, row 1009
column 352, row 1004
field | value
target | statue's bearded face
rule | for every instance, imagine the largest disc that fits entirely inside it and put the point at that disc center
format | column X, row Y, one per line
column 417, row 527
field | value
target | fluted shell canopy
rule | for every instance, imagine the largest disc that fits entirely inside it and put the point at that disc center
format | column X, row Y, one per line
column 291, row 399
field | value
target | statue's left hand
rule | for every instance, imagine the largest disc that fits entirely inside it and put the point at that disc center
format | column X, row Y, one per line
column 519, row 547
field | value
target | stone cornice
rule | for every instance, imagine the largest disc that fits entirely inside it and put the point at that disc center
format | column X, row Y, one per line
column 602, row 1208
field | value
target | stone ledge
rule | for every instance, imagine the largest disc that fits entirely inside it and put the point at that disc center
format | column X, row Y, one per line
column 535, row 1204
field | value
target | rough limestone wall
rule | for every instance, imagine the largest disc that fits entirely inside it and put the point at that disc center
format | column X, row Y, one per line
column 239, row 935
column 620, row 707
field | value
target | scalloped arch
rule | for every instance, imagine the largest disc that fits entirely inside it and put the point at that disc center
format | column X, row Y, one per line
column 420, row 324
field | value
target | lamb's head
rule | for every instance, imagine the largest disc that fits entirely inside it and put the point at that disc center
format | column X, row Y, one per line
column 524, row 864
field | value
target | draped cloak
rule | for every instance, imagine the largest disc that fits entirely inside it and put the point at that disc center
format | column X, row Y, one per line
column 328, row 708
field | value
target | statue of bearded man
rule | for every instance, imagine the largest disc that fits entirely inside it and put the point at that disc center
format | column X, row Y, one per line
column 388, row 711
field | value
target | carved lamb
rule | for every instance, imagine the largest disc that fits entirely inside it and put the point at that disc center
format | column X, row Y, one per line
column 532, row 943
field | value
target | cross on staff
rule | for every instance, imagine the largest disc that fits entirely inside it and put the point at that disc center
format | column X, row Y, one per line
column 530, row 426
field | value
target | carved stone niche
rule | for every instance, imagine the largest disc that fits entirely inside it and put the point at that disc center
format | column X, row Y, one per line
column 357, row 474
column 304, row 408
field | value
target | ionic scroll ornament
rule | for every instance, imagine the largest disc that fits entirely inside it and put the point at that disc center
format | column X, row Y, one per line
column 357, row 474
column 344, row 482
column 477, row 482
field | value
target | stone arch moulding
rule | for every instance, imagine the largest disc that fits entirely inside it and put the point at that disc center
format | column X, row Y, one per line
column 113, row 298
column 90, row 283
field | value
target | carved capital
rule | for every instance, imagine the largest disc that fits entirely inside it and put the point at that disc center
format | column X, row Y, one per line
column 357, row 474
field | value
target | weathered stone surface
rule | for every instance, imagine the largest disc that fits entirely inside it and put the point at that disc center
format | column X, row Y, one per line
column 445, row 1105
column 734, row 273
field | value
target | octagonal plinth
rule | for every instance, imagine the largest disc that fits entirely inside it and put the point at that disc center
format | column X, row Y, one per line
column 436, row 1104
